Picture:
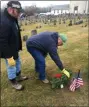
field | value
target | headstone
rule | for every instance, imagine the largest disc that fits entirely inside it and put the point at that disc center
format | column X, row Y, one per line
column 36, row 27
column 79, row 22
column 59, row 21
column 70, row 24
column 20, row 24
column 64, row 21
column 33, row 32
column 86, row 25
column 40, row 26
column 25, row 38
column 25, row 23
column 55, row 22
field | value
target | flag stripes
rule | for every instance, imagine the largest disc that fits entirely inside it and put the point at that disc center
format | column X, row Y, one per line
column 76, row 83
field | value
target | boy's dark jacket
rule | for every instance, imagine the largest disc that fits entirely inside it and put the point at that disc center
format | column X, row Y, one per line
column 46, row 42
column 10, row 38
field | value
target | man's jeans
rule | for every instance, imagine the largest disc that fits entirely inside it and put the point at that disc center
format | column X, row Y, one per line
column 12, row 71
column 39, row 61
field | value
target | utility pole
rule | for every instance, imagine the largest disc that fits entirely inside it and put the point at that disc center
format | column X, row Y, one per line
column 88, row 13
column 88, row 9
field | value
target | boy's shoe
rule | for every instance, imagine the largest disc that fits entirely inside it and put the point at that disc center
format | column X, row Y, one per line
column 17, row 86
column 21, row 78
column 46, row 81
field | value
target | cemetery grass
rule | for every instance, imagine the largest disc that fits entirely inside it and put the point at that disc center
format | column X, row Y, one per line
column 74, row 56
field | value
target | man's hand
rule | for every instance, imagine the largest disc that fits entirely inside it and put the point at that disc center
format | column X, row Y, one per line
column 11, row 61
column 66, row 73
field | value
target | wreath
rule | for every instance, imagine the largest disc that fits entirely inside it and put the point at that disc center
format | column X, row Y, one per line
column 60, row 80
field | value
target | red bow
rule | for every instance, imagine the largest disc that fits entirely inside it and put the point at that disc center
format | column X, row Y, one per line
column 57, row 75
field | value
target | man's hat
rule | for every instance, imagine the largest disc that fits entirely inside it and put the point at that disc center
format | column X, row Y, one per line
column 63, row 37
column 15, row 4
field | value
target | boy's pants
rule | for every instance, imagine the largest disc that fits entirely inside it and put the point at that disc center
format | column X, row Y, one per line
column 13, row 71
column 39, row 61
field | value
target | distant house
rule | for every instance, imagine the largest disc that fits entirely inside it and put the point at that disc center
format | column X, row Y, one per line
column 60, row 9
column 79, row 7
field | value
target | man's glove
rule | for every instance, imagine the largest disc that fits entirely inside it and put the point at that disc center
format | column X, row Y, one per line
column 11, row 61
column 66, row 73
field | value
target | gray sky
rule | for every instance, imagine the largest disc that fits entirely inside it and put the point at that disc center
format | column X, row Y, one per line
column 38, row 3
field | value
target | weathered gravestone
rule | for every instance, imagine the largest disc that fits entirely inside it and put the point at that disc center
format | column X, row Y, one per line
column 40, row 26
column 70, row 23
column 79, row 22
column 33, row 32
column 36, row 27
column 25, row 38
column 55, row 22
column 64, row 21
column 59, row 21
column 20, row 23
column 25, row 23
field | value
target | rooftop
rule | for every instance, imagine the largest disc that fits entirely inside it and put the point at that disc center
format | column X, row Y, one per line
column 60, row 7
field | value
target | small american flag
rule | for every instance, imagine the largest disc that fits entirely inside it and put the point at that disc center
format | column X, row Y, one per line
column 76, row 83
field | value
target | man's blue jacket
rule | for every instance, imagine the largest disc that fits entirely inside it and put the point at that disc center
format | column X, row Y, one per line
column 46, row 42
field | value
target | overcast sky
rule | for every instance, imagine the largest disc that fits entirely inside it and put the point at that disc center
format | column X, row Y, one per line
column 38, row 3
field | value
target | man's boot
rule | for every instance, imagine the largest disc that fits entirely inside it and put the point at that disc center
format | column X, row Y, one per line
column 46, row 81
column 20, row 77
column 16, row 85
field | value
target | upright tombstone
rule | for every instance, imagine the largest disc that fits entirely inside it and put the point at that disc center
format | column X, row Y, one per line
column 29, row 22
column 20, row 23
column 45, row 22
column 40, row 26
column 79, row 22
column 33, row 32
column 55, row 22
column 49, row 22
column 86, row 17
column 64, row 21
column 25, row 23
column 70, row 23
column 25, row 38
column 60, row 21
